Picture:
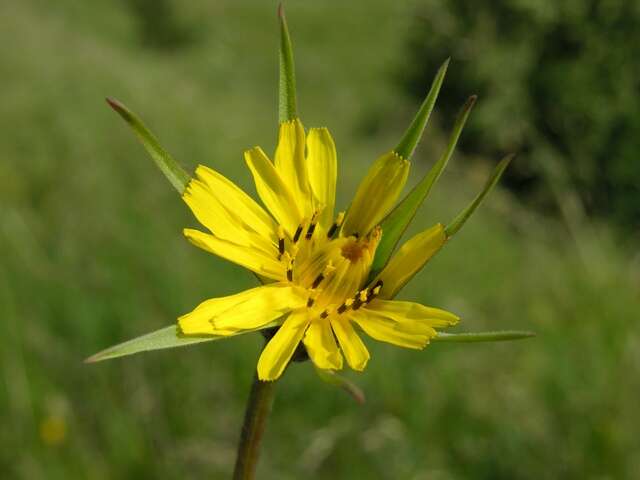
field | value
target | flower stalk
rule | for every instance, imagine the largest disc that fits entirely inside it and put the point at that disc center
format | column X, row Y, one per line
column 255, row 419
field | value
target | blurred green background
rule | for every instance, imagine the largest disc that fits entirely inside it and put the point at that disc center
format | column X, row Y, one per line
column 91, row 250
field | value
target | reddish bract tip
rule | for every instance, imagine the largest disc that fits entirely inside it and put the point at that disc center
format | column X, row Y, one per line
column 281, row 10
column 115, row 104
column 91, row 359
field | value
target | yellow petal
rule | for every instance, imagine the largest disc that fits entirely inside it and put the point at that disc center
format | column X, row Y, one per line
column 251, row 258
column 275, row 194
column 408, row 334
column 351, row 344
column 216, row 216
column 401, row 311
column 290, row 163
column 376, row 194
column 322, row 168
column 278, row 352
column 321, row 345
column 410, row 259
column 243, row 208
column 247, row 310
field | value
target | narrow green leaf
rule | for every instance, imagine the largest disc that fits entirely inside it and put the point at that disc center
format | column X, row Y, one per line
column 332, row 378
column 167, row 337
column 395, row 224
column 499, row 336
column 287, row 107
column 412, row 136
column 171, row 169
column 463, row 216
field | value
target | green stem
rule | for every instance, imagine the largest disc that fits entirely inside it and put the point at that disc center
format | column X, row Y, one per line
column 255, row 419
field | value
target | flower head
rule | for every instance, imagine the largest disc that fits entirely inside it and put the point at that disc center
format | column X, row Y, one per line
column 318, row 262
column 327, row 277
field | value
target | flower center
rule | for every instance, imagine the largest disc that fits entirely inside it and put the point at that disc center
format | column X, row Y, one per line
column 353, row 250
column 332, row 270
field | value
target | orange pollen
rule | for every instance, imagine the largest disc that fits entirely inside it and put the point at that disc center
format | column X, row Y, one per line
column 353, row 250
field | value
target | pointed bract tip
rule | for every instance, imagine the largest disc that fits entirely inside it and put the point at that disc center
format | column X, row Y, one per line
column 504, row 163
column 120, row 109
column 91, row 359
column 280, row 11
column 113, row 103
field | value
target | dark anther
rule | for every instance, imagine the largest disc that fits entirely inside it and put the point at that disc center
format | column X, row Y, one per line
column 357, row 303
column 296, row 236
column 310, row 230
column 324, row 314
column 332, row 230
column 342, row 308
column 317, row 281
column 310, row 302
column 290, row 275
column 281, row 246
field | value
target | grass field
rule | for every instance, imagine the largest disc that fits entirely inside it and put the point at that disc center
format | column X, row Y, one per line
column 91, row 253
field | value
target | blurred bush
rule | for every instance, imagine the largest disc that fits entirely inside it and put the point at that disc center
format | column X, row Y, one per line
column 558, row 83
column 159, row 24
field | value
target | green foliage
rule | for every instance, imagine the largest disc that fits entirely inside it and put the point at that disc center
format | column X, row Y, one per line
column 558, row 84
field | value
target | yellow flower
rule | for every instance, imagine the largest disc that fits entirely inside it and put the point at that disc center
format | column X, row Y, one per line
column 316, row 265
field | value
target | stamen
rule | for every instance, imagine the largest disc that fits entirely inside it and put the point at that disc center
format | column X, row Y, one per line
column 317, row 281
column 357, row 303
column 290, row 259
column 312, row 298
column 365, row 295
column 310, row 231
column 375, row 234
column 327, row 311
column 347, row 304
column 325, row 273
column 337, row 224
column 280, row 242
column 373, row 293
column 296, row 236
column 312, row 225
